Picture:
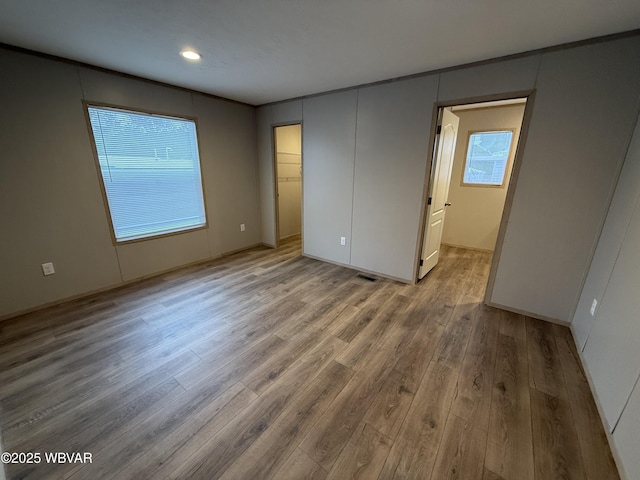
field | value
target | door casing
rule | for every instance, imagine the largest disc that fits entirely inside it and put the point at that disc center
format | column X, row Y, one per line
column 276, row 194
column 524, row 130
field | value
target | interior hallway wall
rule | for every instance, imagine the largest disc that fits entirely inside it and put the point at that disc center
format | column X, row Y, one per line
column 474, row 216
column 371, row 187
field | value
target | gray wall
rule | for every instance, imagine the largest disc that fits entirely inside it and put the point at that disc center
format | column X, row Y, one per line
column 51, row 208
column 582, row 118
column 327, row 163
column 621, row 210
column 609, row 339
column 392, row 137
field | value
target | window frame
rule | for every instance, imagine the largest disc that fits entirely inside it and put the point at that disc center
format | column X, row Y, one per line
column 507, row 167
column 86, row 104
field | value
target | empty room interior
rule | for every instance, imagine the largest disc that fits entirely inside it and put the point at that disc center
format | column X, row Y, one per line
column 267, row 240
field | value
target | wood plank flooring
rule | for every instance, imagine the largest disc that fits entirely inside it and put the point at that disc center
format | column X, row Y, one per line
column 266, row 364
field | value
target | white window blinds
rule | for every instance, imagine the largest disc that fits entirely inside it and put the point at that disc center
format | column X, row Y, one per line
column 151, row 172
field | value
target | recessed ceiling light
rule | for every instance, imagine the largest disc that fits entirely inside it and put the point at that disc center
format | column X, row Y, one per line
column 190, row 55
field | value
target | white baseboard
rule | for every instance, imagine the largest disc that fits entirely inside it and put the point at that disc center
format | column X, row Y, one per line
column 529, row 314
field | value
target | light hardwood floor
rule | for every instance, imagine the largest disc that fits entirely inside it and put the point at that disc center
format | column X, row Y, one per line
column 267, row 364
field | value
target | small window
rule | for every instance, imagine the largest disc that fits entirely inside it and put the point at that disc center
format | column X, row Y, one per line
column 487, row 158
column 150, row 170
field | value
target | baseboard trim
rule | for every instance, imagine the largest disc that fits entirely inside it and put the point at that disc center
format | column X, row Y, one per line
column 612, row 444
column 467, row 248
column 123, row 283
column 358, row 269
column 564, row 323
column 291, row 236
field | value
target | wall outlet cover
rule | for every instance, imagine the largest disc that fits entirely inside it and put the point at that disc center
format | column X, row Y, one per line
column 47, row 269
column 343, row 241
column 242, row 228
column 594, row 306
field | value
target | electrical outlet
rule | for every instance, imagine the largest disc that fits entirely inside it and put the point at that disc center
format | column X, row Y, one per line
column 47, row 269
column 594, row 307
column 343, row 241
column 242, row 229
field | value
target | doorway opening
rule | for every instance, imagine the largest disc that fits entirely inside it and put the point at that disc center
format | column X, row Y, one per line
column 288, row 188
column 472, row 175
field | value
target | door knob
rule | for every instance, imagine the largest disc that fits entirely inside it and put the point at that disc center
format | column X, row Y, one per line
column 447, row 204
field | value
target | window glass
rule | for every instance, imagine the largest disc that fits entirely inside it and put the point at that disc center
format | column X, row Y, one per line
column 487, row 157
column 150, row 169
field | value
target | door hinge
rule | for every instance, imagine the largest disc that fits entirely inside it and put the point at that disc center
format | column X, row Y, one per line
column 421, row 262
column 429, row 201
column 438, row 129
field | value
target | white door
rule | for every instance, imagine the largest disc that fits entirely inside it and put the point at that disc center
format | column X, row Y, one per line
column 440, row 178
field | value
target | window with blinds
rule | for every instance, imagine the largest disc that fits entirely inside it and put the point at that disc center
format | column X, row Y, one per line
column 150, row 169
column 487, row 158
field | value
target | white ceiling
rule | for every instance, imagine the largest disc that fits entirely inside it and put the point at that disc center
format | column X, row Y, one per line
column 260, row 51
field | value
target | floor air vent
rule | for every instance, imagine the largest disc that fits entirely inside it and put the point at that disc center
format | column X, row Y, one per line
column 367, row 277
